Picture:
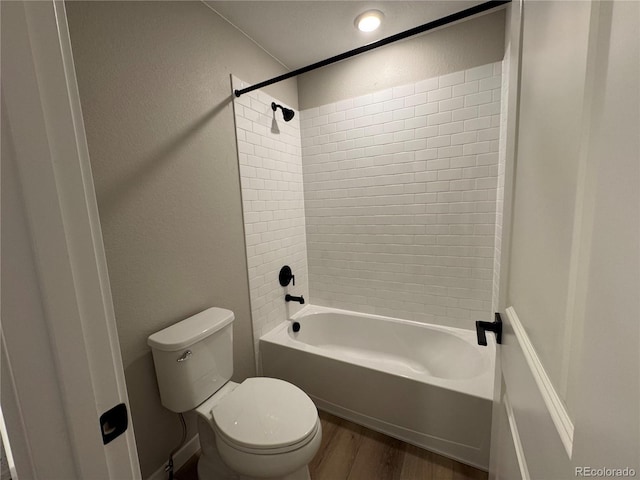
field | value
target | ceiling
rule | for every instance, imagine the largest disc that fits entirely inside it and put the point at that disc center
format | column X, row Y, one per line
column 298, row 33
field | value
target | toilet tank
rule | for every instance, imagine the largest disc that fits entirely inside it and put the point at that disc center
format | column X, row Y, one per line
column 193, row 358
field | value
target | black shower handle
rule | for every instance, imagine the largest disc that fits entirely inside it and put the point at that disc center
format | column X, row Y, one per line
column 495, row 327
column 286, row 276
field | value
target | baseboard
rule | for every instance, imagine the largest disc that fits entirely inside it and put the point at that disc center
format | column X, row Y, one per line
column 187, row 451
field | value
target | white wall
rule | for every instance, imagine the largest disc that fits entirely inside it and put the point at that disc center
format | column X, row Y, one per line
column 400, row 189
column 546, row 228
column 608, row 395
column 273, row 203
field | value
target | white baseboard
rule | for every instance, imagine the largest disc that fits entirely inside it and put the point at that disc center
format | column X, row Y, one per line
column 187, row 451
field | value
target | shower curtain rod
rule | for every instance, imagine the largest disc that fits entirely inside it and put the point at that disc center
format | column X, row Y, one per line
column 483, row 7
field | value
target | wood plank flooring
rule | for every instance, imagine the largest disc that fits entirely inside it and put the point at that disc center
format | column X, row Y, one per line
column 351, row 452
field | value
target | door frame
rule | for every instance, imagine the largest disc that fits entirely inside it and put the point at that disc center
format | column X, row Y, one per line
column 42, row 105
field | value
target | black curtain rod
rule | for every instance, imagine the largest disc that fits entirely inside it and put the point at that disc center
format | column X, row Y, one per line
column 483, row 7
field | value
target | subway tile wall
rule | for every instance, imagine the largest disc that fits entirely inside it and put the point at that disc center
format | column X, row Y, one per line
column 400, row 198
column 270, row 160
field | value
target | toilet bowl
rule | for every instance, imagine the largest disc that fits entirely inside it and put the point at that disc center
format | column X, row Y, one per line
column 261, row 428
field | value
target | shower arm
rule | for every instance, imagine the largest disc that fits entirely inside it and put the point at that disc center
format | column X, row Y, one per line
column 455, row 17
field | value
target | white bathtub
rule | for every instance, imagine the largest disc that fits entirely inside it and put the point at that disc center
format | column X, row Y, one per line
column 428, row 385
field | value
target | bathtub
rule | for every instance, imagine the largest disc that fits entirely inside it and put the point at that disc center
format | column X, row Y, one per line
column 427, row 385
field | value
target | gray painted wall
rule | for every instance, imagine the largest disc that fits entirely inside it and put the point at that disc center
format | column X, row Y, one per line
column 154, row 81
column 458, row 47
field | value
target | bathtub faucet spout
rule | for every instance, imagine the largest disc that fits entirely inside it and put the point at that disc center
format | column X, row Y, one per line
column 291, row 298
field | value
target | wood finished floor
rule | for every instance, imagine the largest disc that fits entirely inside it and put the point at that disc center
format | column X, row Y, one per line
column 351, row 452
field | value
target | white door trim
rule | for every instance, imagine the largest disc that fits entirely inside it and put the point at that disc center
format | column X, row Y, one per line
column 515, row 436
column 43, row 108
column 554, row 404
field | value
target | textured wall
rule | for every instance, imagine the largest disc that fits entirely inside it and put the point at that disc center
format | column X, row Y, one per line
column 400, row 189
column 154, row 80
column 273, row 203
column 467, row 44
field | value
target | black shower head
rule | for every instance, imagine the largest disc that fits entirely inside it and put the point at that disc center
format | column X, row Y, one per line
column 287, row 113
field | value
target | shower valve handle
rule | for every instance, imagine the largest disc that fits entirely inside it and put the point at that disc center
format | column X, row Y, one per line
column 495, row 327
column 286, row 276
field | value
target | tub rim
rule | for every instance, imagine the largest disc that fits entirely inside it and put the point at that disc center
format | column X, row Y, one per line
column 310, row 310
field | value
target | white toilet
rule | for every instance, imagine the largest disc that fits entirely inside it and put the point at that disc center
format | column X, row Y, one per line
column 260, row 428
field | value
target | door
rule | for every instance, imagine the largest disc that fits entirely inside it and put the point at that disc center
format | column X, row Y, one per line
column 569, row 405
column 61, row 365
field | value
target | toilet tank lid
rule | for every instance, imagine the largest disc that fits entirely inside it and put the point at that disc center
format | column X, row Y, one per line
column 191, row 330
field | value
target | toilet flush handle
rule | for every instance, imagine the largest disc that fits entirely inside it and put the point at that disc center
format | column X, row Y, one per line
column 184, row 356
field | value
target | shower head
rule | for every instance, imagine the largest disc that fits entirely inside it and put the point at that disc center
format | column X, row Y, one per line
column 287, row 113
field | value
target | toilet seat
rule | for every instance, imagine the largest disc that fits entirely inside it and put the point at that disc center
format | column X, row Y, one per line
column 272, row 451
column 266, row 416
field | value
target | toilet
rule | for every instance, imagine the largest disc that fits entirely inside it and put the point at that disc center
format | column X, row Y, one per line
column 260, row 428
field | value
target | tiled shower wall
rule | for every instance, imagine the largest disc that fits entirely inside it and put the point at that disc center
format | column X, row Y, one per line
column 273, row 203
column 400, row 197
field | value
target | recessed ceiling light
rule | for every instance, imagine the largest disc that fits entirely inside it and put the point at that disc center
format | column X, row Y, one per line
column 369, row 21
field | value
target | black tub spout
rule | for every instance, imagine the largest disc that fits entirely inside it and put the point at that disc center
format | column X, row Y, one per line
column 291, row 298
